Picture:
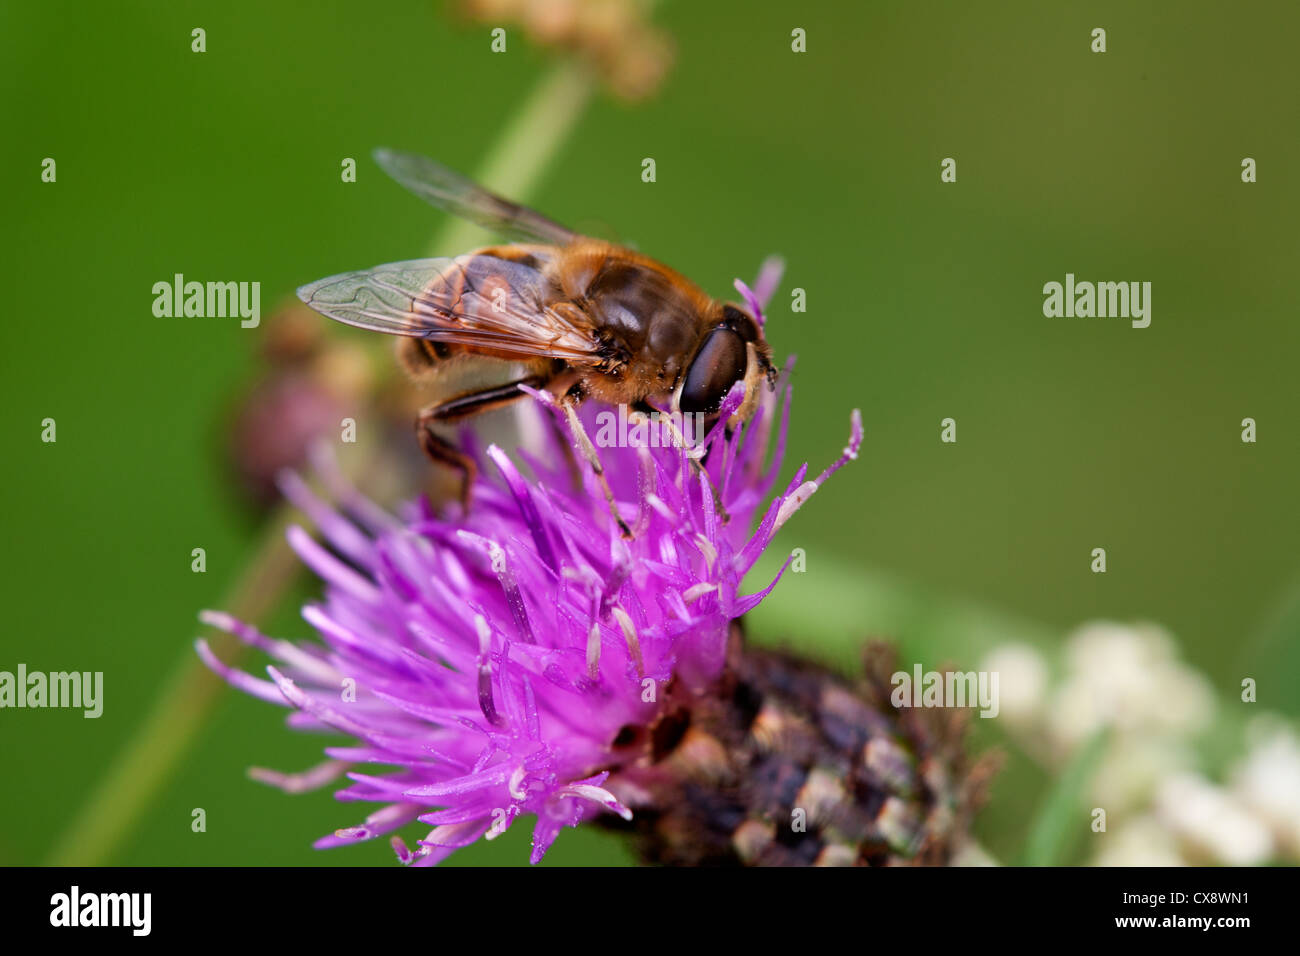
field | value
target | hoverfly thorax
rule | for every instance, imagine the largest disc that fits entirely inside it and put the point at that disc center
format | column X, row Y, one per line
column 576, row 317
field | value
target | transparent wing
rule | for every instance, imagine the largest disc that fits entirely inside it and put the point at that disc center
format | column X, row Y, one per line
column 474, row 300
column 449, row 190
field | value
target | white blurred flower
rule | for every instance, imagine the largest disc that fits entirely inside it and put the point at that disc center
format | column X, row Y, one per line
column 1141, row 841
column 1268, row 779
column 1022, row 681
column 1102, row 647
column 1130, row 680
column 1211, row 822
column 1127, row 678
column 1182, row 700
column 1132, row 768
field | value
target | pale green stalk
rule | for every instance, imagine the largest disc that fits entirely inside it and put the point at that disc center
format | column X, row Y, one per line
column 1064, row 812
column 520, row 157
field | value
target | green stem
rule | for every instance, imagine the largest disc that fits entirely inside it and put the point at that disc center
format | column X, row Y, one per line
column 525, row 148
column 151, row 753
column 1064, row 815
column 512, row 168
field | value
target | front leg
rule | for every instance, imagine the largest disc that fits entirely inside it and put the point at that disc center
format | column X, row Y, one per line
column 645, row 411
column 588, row 451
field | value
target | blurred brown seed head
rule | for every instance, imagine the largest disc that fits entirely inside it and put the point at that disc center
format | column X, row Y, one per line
column 310, row 382
column 723, row 776
column 615, row 36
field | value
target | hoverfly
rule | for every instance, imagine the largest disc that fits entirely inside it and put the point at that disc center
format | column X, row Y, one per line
column 582, row 317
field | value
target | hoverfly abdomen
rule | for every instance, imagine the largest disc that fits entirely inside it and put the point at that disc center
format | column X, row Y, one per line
column 421, row 356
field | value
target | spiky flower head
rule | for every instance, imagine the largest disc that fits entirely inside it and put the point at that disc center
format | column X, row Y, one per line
column 494, row 660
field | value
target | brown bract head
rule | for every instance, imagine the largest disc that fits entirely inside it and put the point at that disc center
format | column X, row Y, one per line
column 786, row 763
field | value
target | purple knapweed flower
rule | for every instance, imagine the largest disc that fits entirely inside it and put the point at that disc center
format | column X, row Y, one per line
column 492, row 659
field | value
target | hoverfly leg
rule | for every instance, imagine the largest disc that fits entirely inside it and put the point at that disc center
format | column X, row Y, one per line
column 588, row 451
column 570, row 457
column 564, row 387
column 443, row 452
column 452, row 410
column 755, row 374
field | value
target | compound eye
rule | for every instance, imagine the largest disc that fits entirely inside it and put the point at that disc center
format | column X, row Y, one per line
column 718, row 364
column 746, row 327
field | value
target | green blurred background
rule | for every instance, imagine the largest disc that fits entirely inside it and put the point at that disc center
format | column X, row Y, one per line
column 924, row 302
